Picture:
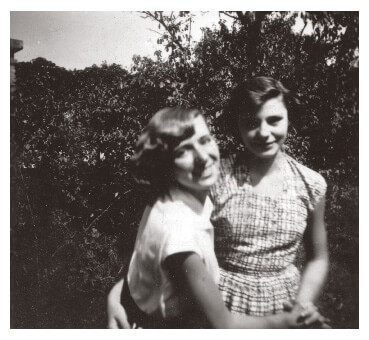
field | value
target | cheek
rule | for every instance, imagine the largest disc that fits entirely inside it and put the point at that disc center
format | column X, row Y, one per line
column 283, row 131
column 179, row 175
column 214, row 151
column 182, row 167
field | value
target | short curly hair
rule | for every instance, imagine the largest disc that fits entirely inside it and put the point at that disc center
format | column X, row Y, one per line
column 152, row 163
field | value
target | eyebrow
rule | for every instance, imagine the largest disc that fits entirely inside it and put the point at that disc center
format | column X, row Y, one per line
column 279, row 115
column 182, row 145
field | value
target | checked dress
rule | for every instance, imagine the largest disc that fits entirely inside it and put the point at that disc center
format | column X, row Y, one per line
column 257, row 235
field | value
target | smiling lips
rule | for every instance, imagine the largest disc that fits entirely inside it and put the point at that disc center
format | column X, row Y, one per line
column 205, row 172
column 263, row 145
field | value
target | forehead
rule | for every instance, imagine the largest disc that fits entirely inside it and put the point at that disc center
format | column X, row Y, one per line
column 200, row 129
column 273, row 106
column 200, row 126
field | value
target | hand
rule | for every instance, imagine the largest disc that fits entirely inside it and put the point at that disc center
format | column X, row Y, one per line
column 292, row 316
column 308, row 315
column 117, row 316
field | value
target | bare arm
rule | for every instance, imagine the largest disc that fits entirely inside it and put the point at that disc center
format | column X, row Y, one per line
column 116, row 315
column 316, row 269
column 190, row 273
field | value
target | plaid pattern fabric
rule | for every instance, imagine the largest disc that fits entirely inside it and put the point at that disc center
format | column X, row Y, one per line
column 257, row 235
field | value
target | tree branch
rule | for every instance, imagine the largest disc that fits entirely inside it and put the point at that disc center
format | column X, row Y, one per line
column 150, row 29
column 228, row 15
column 161, row 21
column 303, row 29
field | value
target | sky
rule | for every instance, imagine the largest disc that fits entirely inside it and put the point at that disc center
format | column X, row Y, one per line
column 80, row 39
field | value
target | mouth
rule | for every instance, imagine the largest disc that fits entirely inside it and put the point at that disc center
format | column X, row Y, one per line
column 205, row 172
column 263, row 145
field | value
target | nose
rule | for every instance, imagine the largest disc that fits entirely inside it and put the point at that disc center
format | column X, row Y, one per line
column 201, row 156
column 263, row 130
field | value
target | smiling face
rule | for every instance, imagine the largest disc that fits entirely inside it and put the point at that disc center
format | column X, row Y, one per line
column 265, row 133
column 196, row 159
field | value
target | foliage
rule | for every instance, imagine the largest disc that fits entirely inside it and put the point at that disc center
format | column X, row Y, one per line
column 74, row 206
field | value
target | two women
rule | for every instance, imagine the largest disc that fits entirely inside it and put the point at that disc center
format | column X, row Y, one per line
column 265, row 205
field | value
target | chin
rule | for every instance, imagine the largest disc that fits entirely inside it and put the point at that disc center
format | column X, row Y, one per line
column 208, row 183
column 266, row 154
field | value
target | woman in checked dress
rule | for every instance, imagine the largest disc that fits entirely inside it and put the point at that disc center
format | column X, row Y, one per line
column 265, row 205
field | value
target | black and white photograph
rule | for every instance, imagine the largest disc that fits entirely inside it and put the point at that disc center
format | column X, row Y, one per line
column 184, row 169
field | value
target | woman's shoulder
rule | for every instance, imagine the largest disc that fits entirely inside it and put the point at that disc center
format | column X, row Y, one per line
column 308, row 174
column 163, row 217
column 227, row 161
column 165, row 205
column 226, row 170
column 171, row 208
column 306, row 179
column 232, row 164
column 229, row 172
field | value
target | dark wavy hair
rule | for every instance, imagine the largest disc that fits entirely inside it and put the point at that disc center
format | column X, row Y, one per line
column 152, row 163
column 249, row 95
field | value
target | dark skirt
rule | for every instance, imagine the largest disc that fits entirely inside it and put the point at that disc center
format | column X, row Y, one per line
column 142, row 320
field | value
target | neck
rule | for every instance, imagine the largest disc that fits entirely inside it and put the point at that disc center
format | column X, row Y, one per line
column 263, row 165
column 199, row 195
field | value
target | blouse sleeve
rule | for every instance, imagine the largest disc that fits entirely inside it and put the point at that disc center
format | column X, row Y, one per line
column 310, row 185
column 179, row 239
column 318, row 189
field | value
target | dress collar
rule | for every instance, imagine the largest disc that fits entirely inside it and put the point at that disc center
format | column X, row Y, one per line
column 192, row 202
column 242, row 170
column 240, row 157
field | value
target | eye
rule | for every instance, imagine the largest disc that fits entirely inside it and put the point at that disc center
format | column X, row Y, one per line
column 205, row 139
column 274, row 120
column 181, row 152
